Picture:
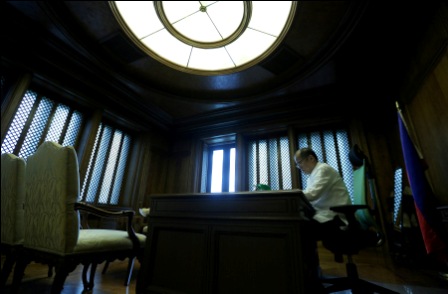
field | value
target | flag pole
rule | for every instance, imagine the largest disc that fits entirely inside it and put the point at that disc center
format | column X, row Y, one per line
column 420, row 155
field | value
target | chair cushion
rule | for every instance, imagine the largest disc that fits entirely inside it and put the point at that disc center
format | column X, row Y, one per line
column 12, row 199
column 103, row 240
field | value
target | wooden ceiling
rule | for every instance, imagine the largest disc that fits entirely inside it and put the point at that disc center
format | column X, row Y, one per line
column 336, row 54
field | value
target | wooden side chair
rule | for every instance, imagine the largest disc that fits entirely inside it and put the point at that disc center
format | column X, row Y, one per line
column 53, row 233
column 12, row 201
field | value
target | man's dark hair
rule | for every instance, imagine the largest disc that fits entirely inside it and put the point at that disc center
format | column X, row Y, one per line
column 305, row 152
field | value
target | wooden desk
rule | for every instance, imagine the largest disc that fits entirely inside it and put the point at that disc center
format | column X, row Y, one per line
column 245, row 242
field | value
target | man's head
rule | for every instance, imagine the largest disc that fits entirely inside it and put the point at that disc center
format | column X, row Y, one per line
column 306, row 160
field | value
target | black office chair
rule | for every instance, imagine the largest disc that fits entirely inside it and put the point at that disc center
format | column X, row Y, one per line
column 361, row 232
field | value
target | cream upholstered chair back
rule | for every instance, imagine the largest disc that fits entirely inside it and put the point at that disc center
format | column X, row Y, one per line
column 13, row 197
column 52, row 188
column 52, row 223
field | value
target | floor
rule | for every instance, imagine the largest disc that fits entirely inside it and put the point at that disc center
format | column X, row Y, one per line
column 371, row 266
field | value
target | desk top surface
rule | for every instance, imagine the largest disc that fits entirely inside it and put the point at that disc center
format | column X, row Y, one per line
column 257, row 204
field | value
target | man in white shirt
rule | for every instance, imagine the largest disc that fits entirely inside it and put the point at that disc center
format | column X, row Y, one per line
column 325, row 188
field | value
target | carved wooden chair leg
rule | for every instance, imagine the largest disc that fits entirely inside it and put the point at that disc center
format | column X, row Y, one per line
column 92, row 276
column 19, row 271
column 50, row 271
column 62, row 272
column 6, row 269
column 106, row 266
column 85, row 281
column 58, row 282
column 89, row 282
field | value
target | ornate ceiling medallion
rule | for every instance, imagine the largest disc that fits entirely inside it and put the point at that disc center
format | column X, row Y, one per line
column 206, row 38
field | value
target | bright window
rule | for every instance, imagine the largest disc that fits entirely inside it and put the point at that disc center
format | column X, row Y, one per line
column 269, row 159
column 221, row 167
column 105, row 173
column 40, row 119
column 398, row 195
column 269, row 163
column 332, row 147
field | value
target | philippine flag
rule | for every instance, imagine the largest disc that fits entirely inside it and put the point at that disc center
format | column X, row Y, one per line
column 433, row 232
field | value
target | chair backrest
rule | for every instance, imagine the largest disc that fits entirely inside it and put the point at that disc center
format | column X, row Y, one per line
column 12, row 198
column 52, row 188
column 360, row 197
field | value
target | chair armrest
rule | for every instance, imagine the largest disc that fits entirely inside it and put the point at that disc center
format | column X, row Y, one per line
column 129, row 214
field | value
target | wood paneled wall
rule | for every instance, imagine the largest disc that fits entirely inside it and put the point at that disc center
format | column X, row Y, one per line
column 427, row 115
column 425, row 99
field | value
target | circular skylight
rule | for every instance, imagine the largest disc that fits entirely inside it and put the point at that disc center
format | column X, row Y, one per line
column 207, row 38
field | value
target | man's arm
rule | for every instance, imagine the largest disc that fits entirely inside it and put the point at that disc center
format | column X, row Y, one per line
column 320, row 182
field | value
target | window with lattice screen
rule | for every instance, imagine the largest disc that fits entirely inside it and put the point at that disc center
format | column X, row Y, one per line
column 40, row 119
column 398, row 194
column 269, row 163
column 105, row 173
column 332, row 147
column 269, row 159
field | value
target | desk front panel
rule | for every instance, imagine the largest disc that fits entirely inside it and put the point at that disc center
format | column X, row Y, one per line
column 198, row 248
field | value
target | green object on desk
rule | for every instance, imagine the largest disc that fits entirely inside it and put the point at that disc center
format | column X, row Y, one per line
column 262, row 187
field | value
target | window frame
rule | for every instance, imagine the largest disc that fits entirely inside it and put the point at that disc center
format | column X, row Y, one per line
column 225, row 169
column 92, row 157
column 57, row 104
column 346, row 171
column 293, row 134
column 277, row 136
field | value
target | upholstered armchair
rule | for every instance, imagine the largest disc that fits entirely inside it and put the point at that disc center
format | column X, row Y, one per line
column 13, row 196
column 53, row 233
